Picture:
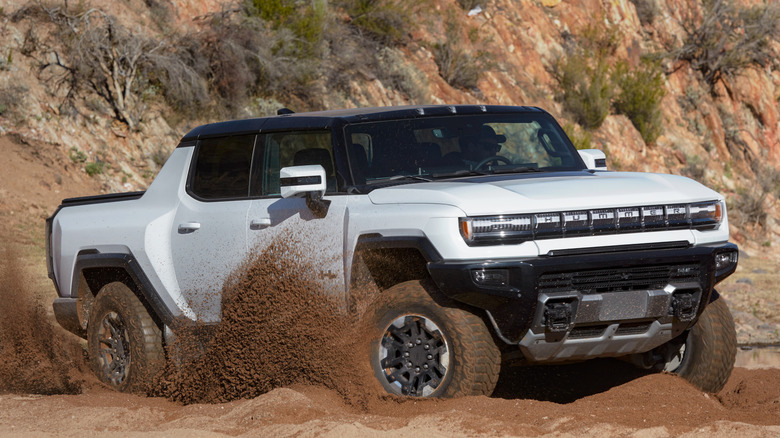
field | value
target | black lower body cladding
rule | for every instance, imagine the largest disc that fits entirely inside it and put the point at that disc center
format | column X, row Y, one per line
column 580, row 289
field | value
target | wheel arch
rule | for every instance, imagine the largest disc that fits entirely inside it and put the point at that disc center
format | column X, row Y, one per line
column 411, row 257
column 380, row 262
column 402, row 258
column 94, row 269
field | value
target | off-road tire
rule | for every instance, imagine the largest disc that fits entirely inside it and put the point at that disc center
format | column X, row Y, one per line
column 473, row 362
column 124, row 343
column 709, row 349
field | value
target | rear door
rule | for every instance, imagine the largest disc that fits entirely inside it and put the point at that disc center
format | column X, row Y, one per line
column 208, row 239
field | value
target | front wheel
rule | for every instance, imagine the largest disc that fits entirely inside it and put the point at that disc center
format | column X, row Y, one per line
column 705, row 357
column 426, row 347
column 124, row 343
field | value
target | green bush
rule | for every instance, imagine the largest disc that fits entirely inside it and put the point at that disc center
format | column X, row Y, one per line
column 640, row 95
column 309, row 27
column 382, row 20
column 305, row 20
column 584, row 76
column 77, row 156
column 396, row 72
column 591, row 87
column 586, row 89
column 95, row 168
column 277, row 12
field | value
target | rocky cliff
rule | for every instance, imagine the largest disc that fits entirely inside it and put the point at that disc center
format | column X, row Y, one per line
column 723, row 132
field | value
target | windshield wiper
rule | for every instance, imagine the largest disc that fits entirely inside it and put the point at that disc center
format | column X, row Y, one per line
column 521, row 169
column 462, row 172
column 415, row 177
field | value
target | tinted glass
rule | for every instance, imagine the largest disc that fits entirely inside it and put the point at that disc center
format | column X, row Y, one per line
column 285, row 149
column 440, row 146
column 222, row 167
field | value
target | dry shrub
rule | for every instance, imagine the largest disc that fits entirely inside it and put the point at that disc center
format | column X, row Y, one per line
column 459, row 66
column 726, row 37
column 384, row 21
column 646, row 11
column 748, row 209
column 11, row 97
column 88, row 51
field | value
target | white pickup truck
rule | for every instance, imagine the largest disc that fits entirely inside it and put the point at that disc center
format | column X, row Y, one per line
column 491, row 238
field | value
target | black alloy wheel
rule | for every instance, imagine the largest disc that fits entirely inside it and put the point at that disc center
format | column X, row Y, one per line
column 414, row 355
column 114, row 352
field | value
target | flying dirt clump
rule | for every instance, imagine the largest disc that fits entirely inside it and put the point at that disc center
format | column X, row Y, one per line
column 34, row 356
column 278, row 328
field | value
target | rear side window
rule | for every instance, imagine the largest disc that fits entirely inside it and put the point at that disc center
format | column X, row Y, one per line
column 222, row 168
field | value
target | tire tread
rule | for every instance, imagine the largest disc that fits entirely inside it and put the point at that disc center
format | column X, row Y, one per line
column 477, row 357
column 149, row 356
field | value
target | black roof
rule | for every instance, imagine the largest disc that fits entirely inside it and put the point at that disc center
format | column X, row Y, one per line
column 326, row 119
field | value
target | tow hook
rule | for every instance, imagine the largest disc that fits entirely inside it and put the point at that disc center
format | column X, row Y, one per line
column 557, row 316
column 684, row 306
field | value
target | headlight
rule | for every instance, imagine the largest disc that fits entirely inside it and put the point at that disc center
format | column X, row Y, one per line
column 497, row 229
column 706, row 215
column 518, row 228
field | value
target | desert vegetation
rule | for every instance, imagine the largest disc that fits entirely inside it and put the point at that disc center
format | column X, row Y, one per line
column 232, row 62
column 594, row 83
column 723, row 37
column 106, row 70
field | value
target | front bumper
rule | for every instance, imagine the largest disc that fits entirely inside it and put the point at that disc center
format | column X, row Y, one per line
column 589, row 303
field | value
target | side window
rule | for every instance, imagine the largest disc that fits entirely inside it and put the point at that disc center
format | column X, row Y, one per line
column 222, row 167
column 284, row 149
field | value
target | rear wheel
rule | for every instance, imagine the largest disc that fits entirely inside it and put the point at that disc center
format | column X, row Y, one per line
column 124, row 343
column 426, row 347
column 705, row 355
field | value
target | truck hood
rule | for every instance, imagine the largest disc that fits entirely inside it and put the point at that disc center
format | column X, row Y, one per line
column 559, row 191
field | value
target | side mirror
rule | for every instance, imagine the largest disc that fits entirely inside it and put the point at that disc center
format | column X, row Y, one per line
column 594, row 159
column 306, row 182
column 298, row 181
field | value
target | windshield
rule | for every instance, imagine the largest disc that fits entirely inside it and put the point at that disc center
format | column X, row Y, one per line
column 452, row 146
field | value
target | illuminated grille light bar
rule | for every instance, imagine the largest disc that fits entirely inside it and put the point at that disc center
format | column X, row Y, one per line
column 524, row 227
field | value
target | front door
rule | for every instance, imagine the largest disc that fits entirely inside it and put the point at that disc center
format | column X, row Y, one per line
column 317, row 243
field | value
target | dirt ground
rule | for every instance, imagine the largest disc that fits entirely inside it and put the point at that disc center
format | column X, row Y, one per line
column 650, row 406
column 45, row 388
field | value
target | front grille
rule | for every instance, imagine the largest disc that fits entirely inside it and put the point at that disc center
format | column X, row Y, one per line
column 618, row 279
column 593, row 331
column 634, row 328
